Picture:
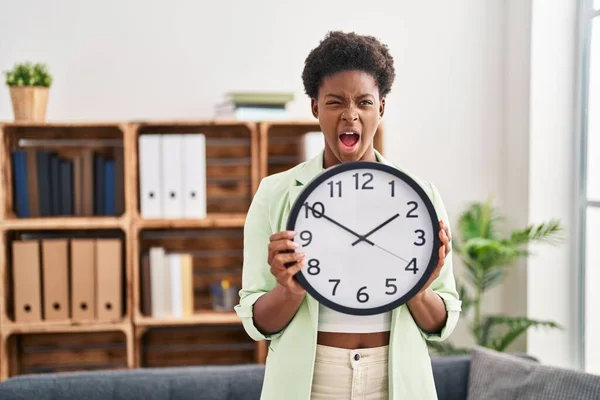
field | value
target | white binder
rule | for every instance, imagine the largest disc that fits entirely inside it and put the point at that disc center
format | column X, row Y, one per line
column 313, row 143
column 176, row 287
column 172, row 175
column 194, row 176
column 149, row 172
column 160, row 284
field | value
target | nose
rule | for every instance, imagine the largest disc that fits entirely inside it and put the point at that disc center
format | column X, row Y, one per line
column 350, row 115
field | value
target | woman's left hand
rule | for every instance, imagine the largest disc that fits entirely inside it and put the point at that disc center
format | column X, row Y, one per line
column 445, row 247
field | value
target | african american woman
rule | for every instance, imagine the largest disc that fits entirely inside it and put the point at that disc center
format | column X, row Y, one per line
column 316, row 352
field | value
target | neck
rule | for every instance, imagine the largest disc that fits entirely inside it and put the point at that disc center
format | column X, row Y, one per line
column 329, row 159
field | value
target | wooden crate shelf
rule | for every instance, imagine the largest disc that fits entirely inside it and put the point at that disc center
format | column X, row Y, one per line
column 80, row 223
column 196, row 345
column 218, row 221
column 45, row 350
column 66, row 235
column 216, row 254
column 75, row 149
column 199, row 318
column 123, row 325
column 232, row 170
column 239, row 154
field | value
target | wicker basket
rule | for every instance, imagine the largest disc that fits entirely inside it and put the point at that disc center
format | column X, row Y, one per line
column 29, row 103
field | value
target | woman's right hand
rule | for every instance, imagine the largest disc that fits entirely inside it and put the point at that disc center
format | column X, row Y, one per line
column 281, row 252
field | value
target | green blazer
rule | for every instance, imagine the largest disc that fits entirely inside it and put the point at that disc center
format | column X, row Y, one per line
column 291, row 353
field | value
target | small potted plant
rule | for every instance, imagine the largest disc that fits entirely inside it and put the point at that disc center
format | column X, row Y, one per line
column 29, row 86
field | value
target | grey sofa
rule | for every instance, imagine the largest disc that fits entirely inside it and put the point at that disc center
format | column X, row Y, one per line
column 240, row 382
column 484, row 375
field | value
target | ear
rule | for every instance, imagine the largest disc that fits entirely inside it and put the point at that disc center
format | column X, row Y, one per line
column 381, row 107
column 314, row 106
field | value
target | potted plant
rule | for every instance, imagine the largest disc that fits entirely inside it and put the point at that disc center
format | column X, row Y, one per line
column 487, row 254
column 29, row 86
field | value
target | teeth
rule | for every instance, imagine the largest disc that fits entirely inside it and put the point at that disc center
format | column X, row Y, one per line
column 348, row 133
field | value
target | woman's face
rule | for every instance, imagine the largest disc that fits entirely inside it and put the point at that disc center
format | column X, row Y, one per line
column 349, row 110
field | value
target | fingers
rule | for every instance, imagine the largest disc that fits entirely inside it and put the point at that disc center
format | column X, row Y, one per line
column 441, row 255
column 446, row 230
column 281, row 259
column 444, row 235
column 279, row 246
column 285, row 276
column 293, row 270
column 282, row 235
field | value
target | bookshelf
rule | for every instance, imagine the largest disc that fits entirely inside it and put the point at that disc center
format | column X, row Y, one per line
column 238, row 155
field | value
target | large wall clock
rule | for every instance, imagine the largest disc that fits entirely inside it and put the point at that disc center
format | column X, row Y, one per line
column 370, row 234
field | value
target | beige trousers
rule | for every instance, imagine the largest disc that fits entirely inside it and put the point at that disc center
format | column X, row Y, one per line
column 343, row 374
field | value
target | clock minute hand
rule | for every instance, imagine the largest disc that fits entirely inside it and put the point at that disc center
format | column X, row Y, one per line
column 364, row 237
column 320, row 214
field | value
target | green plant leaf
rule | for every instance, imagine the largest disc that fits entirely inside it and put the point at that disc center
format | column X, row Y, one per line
column 479, row 220
column 483, row 334
column 513, row 328
column 549, row 232
column 487, row 254
column 467, row 301
column 472, row 273
column 491, row 278
column 28, row 74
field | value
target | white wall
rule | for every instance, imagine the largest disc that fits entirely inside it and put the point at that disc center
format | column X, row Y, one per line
column 458, row 114
column 515, row 184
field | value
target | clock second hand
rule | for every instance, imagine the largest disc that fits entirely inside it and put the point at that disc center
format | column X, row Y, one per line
column 322, row 214
column 389, row 252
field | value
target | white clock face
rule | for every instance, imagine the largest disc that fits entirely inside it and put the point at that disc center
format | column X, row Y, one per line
column 370, row 236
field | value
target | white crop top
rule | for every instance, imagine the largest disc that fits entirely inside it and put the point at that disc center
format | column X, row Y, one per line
column 335, row 321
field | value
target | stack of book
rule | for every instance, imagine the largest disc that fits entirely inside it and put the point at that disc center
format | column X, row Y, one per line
column 167, row 280
column 254, row 106
column 85, row 184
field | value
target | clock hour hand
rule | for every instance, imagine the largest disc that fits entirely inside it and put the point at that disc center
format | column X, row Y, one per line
column 364, row 237
column 321, row 214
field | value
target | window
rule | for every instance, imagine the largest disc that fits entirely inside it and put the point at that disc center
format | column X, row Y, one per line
column 593, row 114
column 590, row 191
column 592, row 278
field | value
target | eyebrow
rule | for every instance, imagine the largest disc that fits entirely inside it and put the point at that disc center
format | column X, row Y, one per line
column 337, row 96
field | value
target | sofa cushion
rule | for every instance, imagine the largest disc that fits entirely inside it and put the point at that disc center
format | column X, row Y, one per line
column 206, row 382
column 451, row 375
column 501, row 376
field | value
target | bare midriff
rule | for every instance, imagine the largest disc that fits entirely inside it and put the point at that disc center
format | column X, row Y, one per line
column 353, row 340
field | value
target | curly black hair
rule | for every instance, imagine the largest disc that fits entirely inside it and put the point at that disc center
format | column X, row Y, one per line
column 340, row 51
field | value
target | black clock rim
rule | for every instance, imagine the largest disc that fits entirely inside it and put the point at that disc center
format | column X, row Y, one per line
column 349, row 166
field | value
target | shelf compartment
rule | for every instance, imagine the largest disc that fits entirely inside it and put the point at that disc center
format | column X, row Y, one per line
column 216, row 257
column 63, row 170
column 195, row 345
column 232, row 173
column 53, row 257
column 38, row 353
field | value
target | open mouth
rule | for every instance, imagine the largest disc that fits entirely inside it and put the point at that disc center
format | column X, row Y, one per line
column 349, row 139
